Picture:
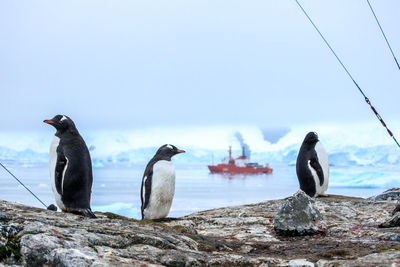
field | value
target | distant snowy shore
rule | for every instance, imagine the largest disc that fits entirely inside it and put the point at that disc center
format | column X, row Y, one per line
column 347, row 145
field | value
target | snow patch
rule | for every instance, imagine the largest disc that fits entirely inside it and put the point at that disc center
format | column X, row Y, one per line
column 346, row 144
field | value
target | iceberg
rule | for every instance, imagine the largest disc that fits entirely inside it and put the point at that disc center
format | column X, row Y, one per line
column 347, row 145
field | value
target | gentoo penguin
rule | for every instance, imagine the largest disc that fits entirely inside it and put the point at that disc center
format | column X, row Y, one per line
column 312, row 166
column 70, row 168
column 158, row 184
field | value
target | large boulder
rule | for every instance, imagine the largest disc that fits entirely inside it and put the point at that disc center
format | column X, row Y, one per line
column 397, row 208
column 394, row 221
column 390, row 194
column 299, row 216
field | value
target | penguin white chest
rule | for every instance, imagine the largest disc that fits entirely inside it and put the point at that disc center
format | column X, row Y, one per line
column 162, row 190
column 53, row 163
column 323, row 161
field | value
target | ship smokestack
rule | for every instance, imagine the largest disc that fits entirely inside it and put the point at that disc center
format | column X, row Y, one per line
column 245, row 147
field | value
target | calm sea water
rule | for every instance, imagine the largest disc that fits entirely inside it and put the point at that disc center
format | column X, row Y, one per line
column 116, row 188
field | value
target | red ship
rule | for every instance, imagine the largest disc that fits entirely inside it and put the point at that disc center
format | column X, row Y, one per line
column 239, row 165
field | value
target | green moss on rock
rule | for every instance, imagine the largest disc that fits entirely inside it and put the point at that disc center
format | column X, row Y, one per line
column 11, row 248
column 389, row 248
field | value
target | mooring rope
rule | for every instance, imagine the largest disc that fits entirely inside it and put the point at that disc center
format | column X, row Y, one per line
column 4, row 167
column 383, row 33
column 351, row 77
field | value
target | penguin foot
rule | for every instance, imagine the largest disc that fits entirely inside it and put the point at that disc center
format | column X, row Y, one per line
column 89, row 213
column 85, row 212
column 164, row 219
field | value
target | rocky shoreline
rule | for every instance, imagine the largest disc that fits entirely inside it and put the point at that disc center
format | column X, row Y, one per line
column 232, row 236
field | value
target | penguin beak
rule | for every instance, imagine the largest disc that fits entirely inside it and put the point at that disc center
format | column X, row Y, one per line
column 48, row 121
column 181, row 151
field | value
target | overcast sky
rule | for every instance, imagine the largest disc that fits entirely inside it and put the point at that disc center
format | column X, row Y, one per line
column 128, row 64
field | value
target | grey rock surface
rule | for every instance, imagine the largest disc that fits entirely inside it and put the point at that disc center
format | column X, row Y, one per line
column 388, row 195
column 388, row 258
column 394, row 221
column 397, row 208
column 299, row 216
column 300, row 263
column 232, row 236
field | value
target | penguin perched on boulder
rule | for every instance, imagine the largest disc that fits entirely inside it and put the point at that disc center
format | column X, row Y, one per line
column 158, row 184
column 312, row 166
column 70, row 168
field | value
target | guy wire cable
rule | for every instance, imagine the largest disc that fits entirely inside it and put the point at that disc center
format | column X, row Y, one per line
column 4, row 167
column 384, row 35
column 351, row 77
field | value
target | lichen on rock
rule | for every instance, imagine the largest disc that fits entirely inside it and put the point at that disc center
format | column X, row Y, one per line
column 9, row 241
column 299, row 216
column 232, row 236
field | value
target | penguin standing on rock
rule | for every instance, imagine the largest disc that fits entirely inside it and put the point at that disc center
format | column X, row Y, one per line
column 158, row 184
column 70, row 168
column 312, row 166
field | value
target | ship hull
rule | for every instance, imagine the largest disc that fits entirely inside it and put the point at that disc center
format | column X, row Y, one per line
column 233, row 169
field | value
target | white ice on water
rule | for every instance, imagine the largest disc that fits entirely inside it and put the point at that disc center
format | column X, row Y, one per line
column 362, row 157
column 347, row 144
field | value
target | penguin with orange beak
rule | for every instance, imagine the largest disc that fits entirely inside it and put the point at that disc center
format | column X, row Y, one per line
column 70, row 168
column 158, row 184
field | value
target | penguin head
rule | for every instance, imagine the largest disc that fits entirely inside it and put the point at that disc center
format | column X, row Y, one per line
column 62, row 123
column 311, row 138
column 167, row 151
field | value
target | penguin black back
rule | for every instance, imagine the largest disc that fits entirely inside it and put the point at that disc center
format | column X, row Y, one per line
column 307, row 159
column 71, row 167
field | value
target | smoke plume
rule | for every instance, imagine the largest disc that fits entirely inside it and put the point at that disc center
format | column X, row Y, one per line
column 246, row 147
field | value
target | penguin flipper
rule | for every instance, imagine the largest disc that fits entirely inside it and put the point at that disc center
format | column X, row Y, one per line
column 317, row 167
column 146, row 191
column 146, row 187
column 59, row 171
